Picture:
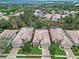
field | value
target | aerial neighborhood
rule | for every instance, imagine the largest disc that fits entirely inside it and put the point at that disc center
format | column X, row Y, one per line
column 39, row 29
column 41, row 38
column 55, row 16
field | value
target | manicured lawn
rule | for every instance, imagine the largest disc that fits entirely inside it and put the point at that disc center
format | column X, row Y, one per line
column 28, row 56
column 35, row 50
column 75, row 51
column 21, row 52
column 57, row 49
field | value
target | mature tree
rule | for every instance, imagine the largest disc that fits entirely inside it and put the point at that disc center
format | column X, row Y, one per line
column 12, row 20
column 42, row 23
column 68, row 22
column 5, row 24
column 16, row 22
column 75, row 23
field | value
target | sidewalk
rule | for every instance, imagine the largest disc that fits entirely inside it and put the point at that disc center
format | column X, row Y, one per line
column 39, row 55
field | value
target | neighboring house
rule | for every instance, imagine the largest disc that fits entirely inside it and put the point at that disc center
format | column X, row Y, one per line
column 41, row 37
column 56, row 17
column 73, row 13
column 37, row 37
column 24, row 35
column 66, row 12
column 53, row 15
column 74, row 35
column 38, row 13
column 6, row 17
column 59, row 36
column 54, row 35
column 65, row 40
column 18, row 14
column 45, row 38
column 63, row 16
column 66, row 43
column 48, row 16
column 6, row 37
column 22, row 13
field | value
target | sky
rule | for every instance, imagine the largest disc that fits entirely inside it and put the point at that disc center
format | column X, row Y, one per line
column 32, row 0
column 38, row 0
column 49, row 0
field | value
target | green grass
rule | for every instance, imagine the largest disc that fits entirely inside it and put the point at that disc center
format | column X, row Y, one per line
column 35, row 50
column 28, row 56
column 8, row 10
column 75, row 51
column 21, row 52
column 58, row 51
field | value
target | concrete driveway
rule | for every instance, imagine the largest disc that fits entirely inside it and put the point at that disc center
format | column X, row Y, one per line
column 13, row 53
column 45, row 53
column 69, row 54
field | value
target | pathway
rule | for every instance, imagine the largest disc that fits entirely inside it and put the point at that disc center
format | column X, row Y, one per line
column 13, row 53
column 45, row 53
column 69, row 54
column 45, row 43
